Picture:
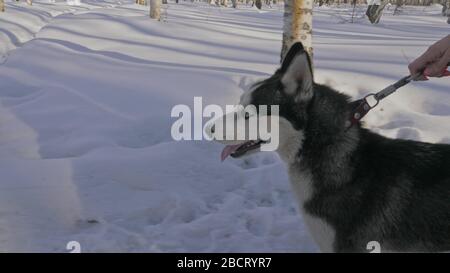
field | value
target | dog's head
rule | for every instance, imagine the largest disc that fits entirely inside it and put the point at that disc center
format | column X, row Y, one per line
column 291, row 89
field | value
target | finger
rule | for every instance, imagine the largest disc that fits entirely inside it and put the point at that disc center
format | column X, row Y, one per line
column 433, row 72
column 419, row 64
column 416, row 66
column 436, row 69
column 417, row 72
column 430, row 56
column 421, row 78
column 430, row 72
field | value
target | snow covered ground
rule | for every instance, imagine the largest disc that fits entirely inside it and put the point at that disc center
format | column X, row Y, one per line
column 85, row 99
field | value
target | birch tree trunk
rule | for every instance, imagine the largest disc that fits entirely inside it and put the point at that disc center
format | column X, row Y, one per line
column 2, row 5
column 448, row 11
column 398, row 4
column 380, row 10
column 297, row 25
column 445, row 7
column 375, row 10
column 155, row 9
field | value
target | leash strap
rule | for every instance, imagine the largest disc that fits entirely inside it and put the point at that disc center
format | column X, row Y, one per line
column 361, row 107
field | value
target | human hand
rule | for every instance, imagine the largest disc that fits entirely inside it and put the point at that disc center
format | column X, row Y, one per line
column 434, row 62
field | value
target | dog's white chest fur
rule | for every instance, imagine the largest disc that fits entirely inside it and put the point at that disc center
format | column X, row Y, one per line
column 291, row 142
column 322, row 233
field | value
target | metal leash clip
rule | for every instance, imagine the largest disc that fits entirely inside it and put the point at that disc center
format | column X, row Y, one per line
column 364, row 105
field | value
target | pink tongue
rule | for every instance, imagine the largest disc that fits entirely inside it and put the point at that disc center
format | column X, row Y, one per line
column 228, row 150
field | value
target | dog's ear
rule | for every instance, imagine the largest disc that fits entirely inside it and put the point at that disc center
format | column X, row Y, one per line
column 297, row 75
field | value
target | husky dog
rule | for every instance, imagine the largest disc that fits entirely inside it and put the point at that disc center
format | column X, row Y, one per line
column 353, row 186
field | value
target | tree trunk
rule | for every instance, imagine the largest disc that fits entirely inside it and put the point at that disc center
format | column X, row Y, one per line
column 30, row 2
column 234, row 3
column 375, row 10
column 398, row 4
column 155, row 9
column 297, row 25
column 380, row 10
column 371, row 7
column 258, row 4
column 448, row 11
column 354, row 10
column 445, row 7
column 2, row 5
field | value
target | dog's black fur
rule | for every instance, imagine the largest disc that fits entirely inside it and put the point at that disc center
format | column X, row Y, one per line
column 366, row 186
